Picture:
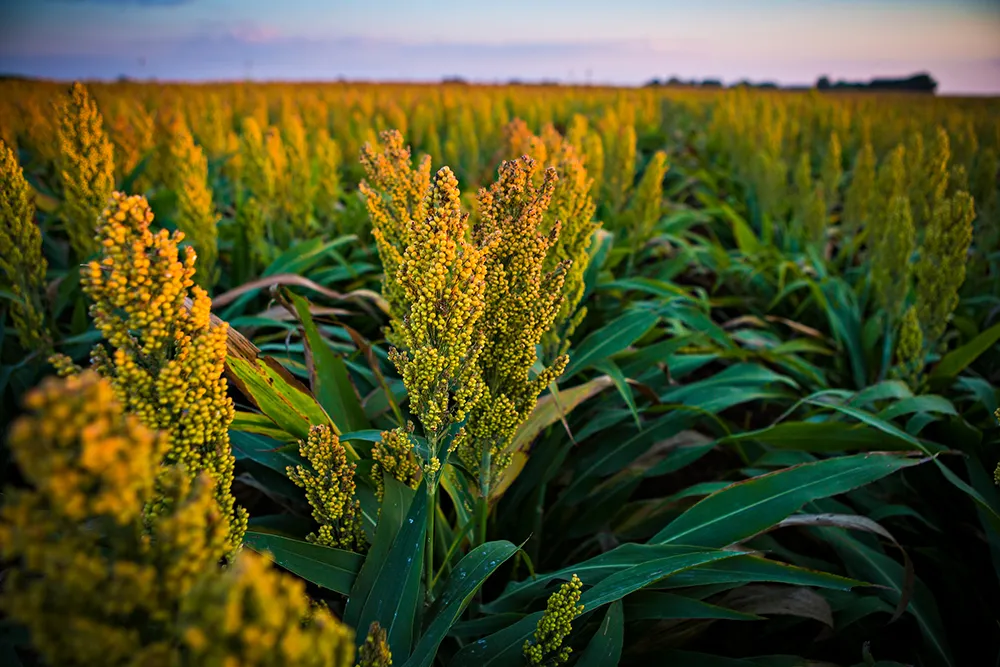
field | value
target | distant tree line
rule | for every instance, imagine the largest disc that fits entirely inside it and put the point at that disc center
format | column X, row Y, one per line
column 917, row 83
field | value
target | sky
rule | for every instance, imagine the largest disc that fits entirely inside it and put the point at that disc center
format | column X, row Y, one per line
column 623, row 42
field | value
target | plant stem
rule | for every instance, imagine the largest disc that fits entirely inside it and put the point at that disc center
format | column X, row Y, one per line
column 429, row 548
column 432, row 482
column 484, row 497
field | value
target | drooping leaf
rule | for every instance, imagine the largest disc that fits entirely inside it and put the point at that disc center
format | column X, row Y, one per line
column 653, row 605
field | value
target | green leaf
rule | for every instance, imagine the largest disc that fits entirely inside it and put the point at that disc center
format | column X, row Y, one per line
column 610, row 368
column 748, row 569
column 265, row 451
column 287, row 525
column 277, row 395
column 296, row 260
column 609, row 340
column 601, row 243
column 395, row 506
column 660, row 288
column 254, row 422
column 956, row 361
column 924, row 403
column 822, row 436
column 887, row 389
column 609, row 459
column 331, row 383
column 465, row 580
column 746, row 240
column 395, row 592
column 334, row 569
column 620, row 584
column 652, row 605
column 520, row 595
column 749, row 507
column 605, row 648
column 992, row 514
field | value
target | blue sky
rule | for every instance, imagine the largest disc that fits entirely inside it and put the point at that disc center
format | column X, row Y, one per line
column 617, row 41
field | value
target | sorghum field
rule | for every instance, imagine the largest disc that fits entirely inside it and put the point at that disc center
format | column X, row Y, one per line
column 344, row 374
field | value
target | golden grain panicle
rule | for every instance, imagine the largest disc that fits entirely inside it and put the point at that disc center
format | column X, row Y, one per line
column 940, row 270
column 86, row 168
column 375, row 651
column 164, row 358
column 196, row 216
column 442, row 281
column 522, row 300
column 329, row 486
column 21, row 258
column 393, row 454
column 395, row 193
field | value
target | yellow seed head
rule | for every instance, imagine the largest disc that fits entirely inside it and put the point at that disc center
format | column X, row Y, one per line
column 329, row 487
column 86, row 168
column 164, row 357
column 21, row 257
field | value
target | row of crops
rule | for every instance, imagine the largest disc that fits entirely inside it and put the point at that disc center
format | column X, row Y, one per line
column 343, row 374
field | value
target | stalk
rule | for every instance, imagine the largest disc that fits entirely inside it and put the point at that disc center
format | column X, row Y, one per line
column 431, row 514
column 484, row 498
column 429, row 560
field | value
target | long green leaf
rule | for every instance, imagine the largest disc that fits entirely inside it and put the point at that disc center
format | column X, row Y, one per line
column 465, row 580
column 751, row 569
column 958, row 360
column 822, row 436
column 609, row 340
column 334, row 569
column 254, row 422
column 265, row 451
column 593, row 571
column 747, row 508
column 395, row 505
column 652, row 605
column 395, row 593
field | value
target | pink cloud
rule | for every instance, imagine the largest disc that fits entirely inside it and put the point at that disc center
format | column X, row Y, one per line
column 253, row 33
